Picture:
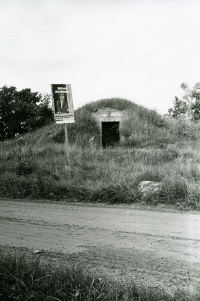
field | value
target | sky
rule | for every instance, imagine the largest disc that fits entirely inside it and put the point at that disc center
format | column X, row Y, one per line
column 139, row 50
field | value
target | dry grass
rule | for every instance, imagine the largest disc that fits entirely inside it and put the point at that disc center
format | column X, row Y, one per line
column 158, row 149
column 25, row 277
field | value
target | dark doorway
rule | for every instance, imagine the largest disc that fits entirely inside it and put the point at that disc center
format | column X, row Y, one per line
column 110, row 133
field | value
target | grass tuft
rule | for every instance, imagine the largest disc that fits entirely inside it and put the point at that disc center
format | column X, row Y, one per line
column 24, row 278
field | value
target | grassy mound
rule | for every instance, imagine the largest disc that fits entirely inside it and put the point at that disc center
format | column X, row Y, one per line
column 155, row 149
column 139, row 120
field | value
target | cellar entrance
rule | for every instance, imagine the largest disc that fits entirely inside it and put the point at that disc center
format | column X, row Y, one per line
column 110, row 133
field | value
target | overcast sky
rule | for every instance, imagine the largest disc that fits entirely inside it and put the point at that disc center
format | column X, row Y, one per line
column 139, row 50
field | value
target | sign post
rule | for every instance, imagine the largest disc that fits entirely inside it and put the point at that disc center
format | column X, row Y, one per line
column 67, row 144
column 62, row 103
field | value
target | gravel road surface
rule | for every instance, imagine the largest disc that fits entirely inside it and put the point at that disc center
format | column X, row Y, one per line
column 161, row 242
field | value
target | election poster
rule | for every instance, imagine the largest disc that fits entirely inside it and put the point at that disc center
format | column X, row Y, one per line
column 62, row 103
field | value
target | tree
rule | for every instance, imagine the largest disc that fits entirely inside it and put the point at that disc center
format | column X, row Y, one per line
column 189, row 105
column 22, row 111
column 179, row 109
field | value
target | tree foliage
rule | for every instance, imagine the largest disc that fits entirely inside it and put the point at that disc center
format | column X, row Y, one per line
column 179, row 109
column 22, row 111
column 189, row 105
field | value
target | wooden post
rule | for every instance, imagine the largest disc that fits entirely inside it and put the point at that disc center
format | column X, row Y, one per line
column 67, row 144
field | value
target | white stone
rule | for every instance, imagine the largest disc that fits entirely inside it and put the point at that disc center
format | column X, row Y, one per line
column 148, row 188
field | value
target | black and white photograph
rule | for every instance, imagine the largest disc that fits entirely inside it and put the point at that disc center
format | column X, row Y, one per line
column 99, row 150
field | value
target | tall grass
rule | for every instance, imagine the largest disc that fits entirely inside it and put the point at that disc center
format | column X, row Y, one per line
column 24, row 278
column 157, row 149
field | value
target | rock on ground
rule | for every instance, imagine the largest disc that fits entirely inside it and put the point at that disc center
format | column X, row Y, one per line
column 149, row 188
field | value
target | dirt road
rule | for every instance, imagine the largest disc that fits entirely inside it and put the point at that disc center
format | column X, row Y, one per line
column 163, row 244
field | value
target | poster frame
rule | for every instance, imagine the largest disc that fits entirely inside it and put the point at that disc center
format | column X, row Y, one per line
column 62, row 117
